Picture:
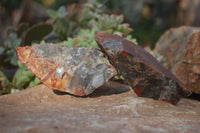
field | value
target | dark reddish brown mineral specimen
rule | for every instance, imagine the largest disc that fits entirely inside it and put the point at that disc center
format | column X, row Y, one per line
column 140, row 70
column 78, row 71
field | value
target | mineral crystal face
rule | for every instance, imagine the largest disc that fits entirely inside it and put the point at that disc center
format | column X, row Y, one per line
column 140, row 70
column 78, row 71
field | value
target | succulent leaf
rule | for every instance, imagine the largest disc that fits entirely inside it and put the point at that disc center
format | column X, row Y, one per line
column 4, row 84
column 37, row 33
column 21, row 29
column 2, row 49
column 52, row 13
column 22, row 77
column 11, row 43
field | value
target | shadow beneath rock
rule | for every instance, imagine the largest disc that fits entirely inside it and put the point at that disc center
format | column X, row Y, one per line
column 194, row 96
column 108, row 88
column 57, row 92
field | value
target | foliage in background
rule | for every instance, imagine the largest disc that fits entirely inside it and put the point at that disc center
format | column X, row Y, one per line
column 130, row 8
column 62, row 25
column 10, row 44
column 147, row 33
column 36, row 33
column 24, row 77
column 22, row 35
column 10, row 5
column 74, row 26
column 5, row 84
column 105, row 23
column 58, row 3
column 150, row 18
column 94, row 19
column 68, row 22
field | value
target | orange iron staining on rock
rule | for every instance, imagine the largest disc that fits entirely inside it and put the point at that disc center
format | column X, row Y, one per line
column 141, row 70
column 80, row 92
column 78, row 71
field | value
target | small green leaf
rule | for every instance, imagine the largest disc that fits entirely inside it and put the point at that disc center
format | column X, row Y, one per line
column 35, row 82
column 22, row 78
column 130, row 38
column 2, row 49
column 4, row 82
column 21, row 29
column 42, row 42
column 37, row 32
column 52, row 13
column 13, row 59
column 12, row 41
column 21, row 65
column 61, row 12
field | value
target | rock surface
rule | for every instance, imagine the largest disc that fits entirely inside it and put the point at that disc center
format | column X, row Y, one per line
column 181, row 48
column 140, row 70
column 187, row 15
column 111, row 108
column 78, row 71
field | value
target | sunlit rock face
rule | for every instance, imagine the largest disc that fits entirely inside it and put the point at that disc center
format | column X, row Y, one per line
column 78, row 71
column 181, row 49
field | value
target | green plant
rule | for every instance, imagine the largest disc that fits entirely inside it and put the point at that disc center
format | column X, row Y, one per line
column 68, row 24
column 130, row 8
column 63, row 25
column 85, row 39
column 36, row 33
column 21, row 29
column 111, row 23
column 23, row 35
column 24, row 77
column 60, row 13
column 5, row 84
column 10, row 44
column 91, row 11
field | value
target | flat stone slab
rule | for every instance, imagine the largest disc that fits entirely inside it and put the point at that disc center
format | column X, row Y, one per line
column 111, row 108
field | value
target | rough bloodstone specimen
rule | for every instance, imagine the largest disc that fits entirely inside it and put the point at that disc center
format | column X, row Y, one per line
column 142, row 71
column 181, row 48
column 78, row 71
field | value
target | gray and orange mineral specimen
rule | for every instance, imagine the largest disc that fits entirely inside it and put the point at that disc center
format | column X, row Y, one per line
column 78, row 71
column 140, row 70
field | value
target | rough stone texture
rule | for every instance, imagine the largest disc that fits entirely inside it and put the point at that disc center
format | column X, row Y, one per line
column 142, row 71
column 78, row 71
column 188, row 12
column 39, row 110
column 181, row 48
